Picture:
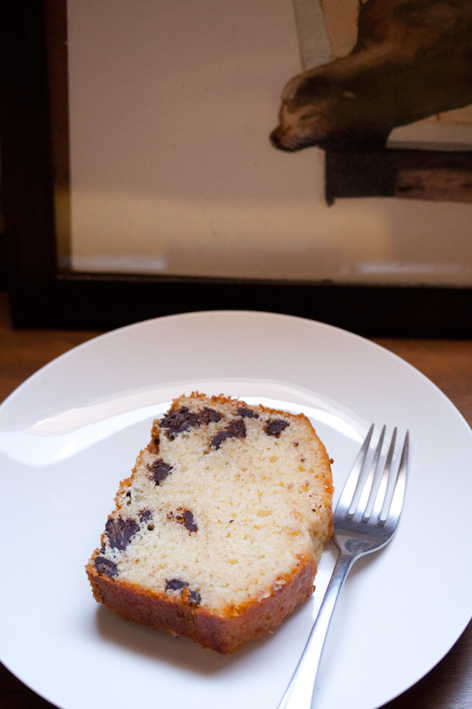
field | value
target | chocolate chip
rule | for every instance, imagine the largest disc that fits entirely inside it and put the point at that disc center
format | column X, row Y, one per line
column 247, row 413
column 178, row 421
column 175, row 584
column 189, row 522
column 186, row 519
column 144, row 515
column 194, row 598
column 159, row 470
column 275, row 427
column 207, row 416
column 105, row 566
column 235, row 429
column 153, row 447
column 183, row 420
column 120, row 531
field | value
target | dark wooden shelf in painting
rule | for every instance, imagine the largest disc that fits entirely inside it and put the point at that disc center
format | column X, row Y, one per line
column 408, row 174
column 42, row 296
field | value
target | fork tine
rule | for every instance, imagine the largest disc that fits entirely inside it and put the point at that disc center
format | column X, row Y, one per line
column 391, row 512
column 369, row 487
column 351, row 484
column 381, row 493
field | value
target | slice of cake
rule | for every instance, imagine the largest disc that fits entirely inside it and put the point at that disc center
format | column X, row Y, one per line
column 217, row 533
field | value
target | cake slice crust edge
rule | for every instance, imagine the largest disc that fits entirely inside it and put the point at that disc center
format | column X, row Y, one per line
column 223, row 633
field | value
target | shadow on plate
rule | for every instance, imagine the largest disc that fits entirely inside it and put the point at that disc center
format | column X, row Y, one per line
column 163, row 647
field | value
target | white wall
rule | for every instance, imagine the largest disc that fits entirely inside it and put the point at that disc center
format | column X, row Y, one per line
column 171, row 106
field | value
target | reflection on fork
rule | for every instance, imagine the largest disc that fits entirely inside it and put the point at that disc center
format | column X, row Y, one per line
column 365, row 519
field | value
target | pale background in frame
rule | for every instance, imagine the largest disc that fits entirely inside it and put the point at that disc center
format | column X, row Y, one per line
column 172, row 172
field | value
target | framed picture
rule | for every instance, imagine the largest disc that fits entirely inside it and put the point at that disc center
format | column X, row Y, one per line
column 165, row 157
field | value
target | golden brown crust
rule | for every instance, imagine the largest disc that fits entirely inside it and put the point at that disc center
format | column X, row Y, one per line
column 224, row 633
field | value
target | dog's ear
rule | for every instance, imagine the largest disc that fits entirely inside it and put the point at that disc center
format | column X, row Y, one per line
column 291, row 88
column 314, row 87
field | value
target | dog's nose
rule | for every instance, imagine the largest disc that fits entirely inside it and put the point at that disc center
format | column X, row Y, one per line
column 275, row 137
column 277, row 140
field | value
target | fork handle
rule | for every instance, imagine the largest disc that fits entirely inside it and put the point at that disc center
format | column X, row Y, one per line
column 299, row 693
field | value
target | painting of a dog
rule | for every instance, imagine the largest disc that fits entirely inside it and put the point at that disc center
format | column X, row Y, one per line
column 412, row 59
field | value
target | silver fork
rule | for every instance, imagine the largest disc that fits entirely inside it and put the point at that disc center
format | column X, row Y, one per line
column 365, row 519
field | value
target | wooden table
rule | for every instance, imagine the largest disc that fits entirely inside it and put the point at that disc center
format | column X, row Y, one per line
column 448, row 364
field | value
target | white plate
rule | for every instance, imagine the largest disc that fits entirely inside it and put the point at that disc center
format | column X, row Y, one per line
column 71, row 432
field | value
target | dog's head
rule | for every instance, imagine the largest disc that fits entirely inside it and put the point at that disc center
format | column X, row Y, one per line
column 319, row 109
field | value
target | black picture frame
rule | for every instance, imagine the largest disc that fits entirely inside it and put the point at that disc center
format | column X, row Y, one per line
column 44, row 295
